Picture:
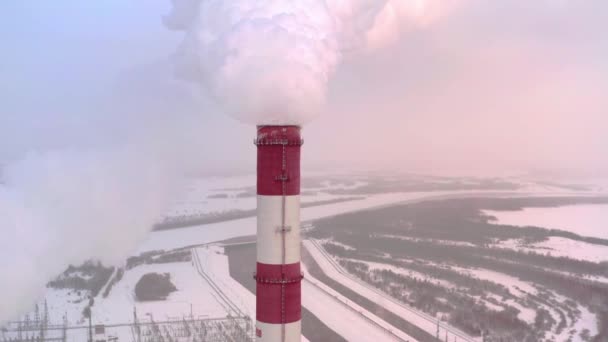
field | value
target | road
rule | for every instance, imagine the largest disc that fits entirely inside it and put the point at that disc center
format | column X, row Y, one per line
column 347, row 319
column 351, row 321
column 427, row 323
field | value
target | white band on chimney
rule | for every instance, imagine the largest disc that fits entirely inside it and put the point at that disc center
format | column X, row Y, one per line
column 269, row 225
column 272, row 332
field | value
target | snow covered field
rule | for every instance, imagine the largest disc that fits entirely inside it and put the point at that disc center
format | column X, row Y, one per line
column 198, row 235
column 193, row 296
column 555, row 304
column 420, row 319
column 346, row 318
column 234, row 193
column 202, row 234
column 215, row 195
column 214, row 263
column 120, row 303
column 560, row 247
column 192, row 290
column 586, row 220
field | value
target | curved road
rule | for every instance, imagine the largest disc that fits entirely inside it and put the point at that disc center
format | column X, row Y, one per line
column 418, row 318
column 348, row 319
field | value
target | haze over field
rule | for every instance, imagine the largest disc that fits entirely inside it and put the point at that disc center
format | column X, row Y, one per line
column 98, row 126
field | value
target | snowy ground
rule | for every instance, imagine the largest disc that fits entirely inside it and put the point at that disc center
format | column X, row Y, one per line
column 585, row 320
column 212, row 195
column 558, row 247
column 192, row 290
column 351, row 321
column 214, row 263
column 508, row 281
column 193, row 295
column 586, row 220
column 420, row 319
column 225, row 194
column 409, row 273
column 348, row 319
column 198, row 235
column 217, row 195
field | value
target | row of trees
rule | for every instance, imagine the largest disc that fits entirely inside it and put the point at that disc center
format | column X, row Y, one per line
column 460, row 309
column 91, row 276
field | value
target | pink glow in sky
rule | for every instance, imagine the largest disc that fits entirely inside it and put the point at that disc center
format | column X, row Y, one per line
column 460, row 85
column 94, row 122
column 488, row 86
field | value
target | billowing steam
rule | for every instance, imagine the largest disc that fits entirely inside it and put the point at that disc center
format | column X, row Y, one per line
column 264, row 61
column 63, row 208
column 96, row 201
column 270, row 61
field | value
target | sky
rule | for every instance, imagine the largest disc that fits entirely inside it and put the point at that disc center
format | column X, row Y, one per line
column 490, row 87
column 100, row 119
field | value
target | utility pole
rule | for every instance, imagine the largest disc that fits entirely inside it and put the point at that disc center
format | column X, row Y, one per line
column 45, row 322
column 437, row 334
column 136, row 322
column 90, row 314
column 65, row 328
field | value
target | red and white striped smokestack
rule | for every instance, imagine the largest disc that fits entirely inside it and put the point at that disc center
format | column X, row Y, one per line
column 278, row 276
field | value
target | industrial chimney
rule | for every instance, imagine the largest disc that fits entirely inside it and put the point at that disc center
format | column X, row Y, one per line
column 278, row 276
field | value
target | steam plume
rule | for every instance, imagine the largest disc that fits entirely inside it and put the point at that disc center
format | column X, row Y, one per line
column 270, row 61
column 97, row 201
column 65, row 207
column 266, row 62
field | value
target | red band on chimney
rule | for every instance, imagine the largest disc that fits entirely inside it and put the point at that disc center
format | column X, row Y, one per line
column 270, row 279
column 274, row 166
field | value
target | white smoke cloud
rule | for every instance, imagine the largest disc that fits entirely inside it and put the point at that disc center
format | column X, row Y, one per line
column 266, row 61
column 400, row 15
column 65, row 207
column 62, row 206
column 270, row 61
